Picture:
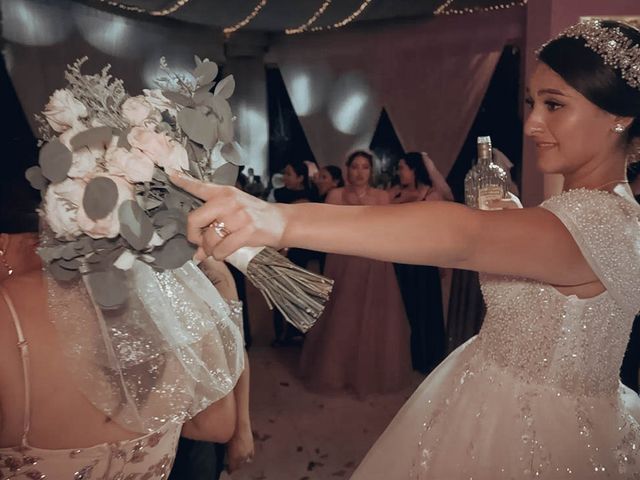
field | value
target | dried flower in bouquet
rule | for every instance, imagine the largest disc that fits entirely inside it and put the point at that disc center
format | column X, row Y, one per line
column 108, row 202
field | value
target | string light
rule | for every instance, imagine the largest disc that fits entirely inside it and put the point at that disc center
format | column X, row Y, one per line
column 229, row 30
column 177, row 5
column 345, row 21
column 311, row 21
column 444, row 8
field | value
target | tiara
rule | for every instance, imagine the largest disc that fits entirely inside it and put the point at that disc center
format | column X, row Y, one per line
column 614, row 47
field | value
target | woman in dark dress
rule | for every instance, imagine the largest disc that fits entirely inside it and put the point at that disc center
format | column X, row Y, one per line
column 297, row 189
column 420, row 285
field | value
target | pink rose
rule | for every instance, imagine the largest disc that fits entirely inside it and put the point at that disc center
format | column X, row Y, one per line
column 63, row 110
column 108, row 226
column 61, row 203
column 162, row 150
column 132, row 165
column 136, row 110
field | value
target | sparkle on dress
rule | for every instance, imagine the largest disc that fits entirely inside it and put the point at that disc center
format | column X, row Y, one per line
column 536, row 394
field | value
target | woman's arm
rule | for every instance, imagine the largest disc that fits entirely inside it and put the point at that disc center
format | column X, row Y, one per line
column 216, row 423
column 530, row 243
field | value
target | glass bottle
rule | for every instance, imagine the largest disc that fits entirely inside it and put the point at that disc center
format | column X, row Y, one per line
column 486, row 180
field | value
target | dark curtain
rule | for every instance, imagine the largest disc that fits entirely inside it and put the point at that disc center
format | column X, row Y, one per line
column 287, row 140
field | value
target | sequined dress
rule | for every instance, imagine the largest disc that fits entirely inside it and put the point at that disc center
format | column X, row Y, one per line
column 536, row 393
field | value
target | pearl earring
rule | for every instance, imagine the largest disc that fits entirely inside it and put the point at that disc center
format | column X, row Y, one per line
column 618, row 128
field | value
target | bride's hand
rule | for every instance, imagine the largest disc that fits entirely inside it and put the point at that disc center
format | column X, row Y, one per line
column 241, row 219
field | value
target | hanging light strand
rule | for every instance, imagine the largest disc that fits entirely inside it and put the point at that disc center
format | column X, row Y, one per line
column 346, row 20
column 303, row 28
column 445, row 10
column 177, row 5
column 234, row 28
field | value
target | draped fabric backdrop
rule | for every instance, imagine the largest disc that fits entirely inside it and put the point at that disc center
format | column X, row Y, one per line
column 430, row 76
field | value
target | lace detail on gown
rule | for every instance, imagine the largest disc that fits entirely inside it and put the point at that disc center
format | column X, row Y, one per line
column 536, row 394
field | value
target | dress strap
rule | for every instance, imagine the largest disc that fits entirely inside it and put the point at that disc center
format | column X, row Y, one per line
column 24, row 354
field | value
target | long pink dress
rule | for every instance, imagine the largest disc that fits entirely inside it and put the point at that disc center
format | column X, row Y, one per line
column 361, row 342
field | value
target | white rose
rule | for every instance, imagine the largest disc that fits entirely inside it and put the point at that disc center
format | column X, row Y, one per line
column 133, row 165
column 63, row 110
column 159, row 101
column 61, row 203
column 84, row 162
column 136, row 110
column 108, row 226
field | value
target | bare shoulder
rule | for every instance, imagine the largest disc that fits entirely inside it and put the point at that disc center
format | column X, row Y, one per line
column 335, row 196
column 381, row 196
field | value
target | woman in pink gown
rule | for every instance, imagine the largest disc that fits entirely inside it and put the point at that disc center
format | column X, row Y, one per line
column 361, row 342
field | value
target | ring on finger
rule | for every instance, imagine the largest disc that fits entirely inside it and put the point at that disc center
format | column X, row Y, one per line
column 219, row 228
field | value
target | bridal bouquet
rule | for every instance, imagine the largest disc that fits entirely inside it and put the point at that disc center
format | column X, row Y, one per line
column 107, row 198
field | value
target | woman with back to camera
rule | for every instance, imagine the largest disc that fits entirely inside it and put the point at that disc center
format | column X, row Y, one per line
column 537, row 393
column 420, row 284
column 53, row 423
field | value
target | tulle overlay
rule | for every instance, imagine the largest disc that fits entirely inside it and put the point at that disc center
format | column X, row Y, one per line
column 169, row 353
column 536, row 394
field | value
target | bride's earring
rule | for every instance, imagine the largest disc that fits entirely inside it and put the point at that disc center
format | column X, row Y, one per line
column 618, row 128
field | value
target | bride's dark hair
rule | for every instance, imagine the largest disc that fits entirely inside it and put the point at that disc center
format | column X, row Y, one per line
column 584, row 70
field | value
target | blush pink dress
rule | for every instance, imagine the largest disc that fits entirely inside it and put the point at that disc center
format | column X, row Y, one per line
column 361, row 341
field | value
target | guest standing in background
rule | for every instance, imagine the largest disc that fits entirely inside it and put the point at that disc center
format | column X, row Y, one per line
column 420, row 284
column 361, row 342
column 328, row 178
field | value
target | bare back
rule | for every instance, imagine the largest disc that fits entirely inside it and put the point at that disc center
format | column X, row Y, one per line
column 61, row 416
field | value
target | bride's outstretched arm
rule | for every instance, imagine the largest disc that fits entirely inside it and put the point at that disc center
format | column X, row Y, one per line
column 529, row 242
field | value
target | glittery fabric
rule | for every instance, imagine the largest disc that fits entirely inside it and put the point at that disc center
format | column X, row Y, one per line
column 169, row 354
column 149, row 457
column 536, row 394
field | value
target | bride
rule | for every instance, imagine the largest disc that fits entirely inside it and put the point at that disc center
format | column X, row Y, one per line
column 536, row 394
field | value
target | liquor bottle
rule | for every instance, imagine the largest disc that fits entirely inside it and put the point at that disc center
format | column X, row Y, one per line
column 486, row 180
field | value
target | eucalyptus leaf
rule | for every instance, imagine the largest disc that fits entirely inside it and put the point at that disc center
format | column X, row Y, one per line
column 203, row 92
column 219, row 105
column 100, row 198
column 166, row 217
column 225, row 87
column 178, row 98
column 73, row 264
column 227, row 174
column 225, row 130
column 178, row 200
column 148, row 203
column 123, row 141
column 173, row 254
column 109, row 288
column 36, row 178
column 49, row 254
column 69, row 252
column 55, row 161
column 206, row 72
column 135, row 226
column 198, row 127
column 62, row 274
column 170, row 230
column 232, row 153
column 93, row 137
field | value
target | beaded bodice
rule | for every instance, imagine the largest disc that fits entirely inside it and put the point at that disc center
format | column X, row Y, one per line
column 545, row 337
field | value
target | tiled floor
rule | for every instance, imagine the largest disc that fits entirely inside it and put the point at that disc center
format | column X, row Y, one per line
column 305, row 436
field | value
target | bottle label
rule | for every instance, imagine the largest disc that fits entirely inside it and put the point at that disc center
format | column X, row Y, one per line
column 486, row 194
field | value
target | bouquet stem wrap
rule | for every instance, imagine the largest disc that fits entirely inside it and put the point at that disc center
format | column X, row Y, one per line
column 299, row 294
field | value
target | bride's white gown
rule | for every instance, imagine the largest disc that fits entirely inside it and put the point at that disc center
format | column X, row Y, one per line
column 536, row 394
